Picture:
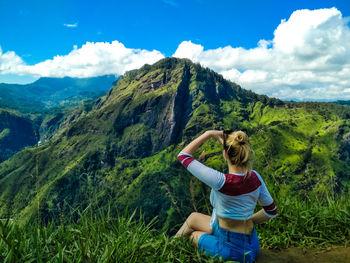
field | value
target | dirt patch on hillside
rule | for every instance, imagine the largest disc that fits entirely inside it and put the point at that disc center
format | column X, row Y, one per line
column 297, row 255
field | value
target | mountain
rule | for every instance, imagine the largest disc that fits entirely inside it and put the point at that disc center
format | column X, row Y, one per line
column 46, row 93
column 16, row 132
column 34, row 112
column 343, row 102
column 122, row 152
column 53, row 121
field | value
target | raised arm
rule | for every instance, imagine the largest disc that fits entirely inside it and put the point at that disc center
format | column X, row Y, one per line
column 207, row 175
column 196, row 143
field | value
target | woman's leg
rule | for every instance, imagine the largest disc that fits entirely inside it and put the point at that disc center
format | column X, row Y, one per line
column 195, row 225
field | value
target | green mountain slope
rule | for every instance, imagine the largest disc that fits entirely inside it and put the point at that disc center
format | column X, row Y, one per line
column 49, row 104
column 54, row 121
column 16, row 132
column 123, row 152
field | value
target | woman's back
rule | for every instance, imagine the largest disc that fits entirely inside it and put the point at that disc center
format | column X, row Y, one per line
column 230, row 231
column 240, row 226
column 233, row 196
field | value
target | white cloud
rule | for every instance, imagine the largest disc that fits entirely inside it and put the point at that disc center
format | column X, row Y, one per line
column 309, row 58
column 188, row 50
column 92, row 59
column 71, row 25
column 9, row 60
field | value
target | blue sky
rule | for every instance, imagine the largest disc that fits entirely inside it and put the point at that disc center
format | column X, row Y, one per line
column 35, row 31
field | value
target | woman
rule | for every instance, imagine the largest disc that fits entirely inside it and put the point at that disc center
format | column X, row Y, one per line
column 230, row 231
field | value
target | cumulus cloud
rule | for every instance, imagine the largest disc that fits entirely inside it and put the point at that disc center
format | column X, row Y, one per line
column 308, row 58
column 92, row 59
column 9, row 60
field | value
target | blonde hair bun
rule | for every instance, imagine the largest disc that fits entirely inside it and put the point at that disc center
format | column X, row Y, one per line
column 238, row 148
column 240, row 137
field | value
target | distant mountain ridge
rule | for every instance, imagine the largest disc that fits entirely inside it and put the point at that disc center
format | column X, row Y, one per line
column 343, row 102
column 46, row 93
column 122, row 152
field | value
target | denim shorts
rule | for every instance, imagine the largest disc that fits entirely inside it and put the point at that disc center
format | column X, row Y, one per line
column 230, row 245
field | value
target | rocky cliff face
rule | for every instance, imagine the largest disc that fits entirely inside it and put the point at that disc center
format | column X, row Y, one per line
column 15, row 133
column 159, row 105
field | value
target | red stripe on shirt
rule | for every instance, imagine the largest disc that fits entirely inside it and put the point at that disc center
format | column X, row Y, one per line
column 269, row 207
column 185, row 160
column 274, row 212
column 182, row 157
column 238, row 184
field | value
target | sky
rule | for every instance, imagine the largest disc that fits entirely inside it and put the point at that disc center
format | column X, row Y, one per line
column 286, row 49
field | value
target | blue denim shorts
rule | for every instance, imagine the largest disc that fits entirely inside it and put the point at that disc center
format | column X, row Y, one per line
column 230, row 245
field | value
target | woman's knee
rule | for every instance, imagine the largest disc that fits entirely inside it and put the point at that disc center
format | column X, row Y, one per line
column 195, row 235
column 193, row 217
column 199, row 221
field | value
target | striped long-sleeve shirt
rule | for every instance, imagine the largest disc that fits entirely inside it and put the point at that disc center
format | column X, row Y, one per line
column 232, row 195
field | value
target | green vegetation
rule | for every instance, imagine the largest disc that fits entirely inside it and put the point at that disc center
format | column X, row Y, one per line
column 121, row 152
column 16, row 132
column 4, row 133
column 35, row 112
column 98, row 236
column 307, row 224
column 94, row 238
column 48, row 93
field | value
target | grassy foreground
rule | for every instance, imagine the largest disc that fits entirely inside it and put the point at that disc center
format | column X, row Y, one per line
column 128, row 238
column 97, row 238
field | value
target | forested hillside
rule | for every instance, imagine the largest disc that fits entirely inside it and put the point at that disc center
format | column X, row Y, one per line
column 16, row 132
column 33, row 113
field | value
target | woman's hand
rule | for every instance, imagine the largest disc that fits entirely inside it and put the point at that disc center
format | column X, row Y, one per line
column 218, row 135
column 259, row 217
column 193, row 146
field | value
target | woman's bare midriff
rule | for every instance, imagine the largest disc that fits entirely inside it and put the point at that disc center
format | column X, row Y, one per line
column 240, row 226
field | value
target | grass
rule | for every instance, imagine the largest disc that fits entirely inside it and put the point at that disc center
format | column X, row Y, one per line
column 95, row 238
column 102, row 237
column 307, row 224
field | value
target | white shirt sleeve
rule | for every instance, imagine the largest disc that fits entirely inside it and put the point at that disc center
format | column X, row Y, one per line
column 207, row 175
column 265, row 199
